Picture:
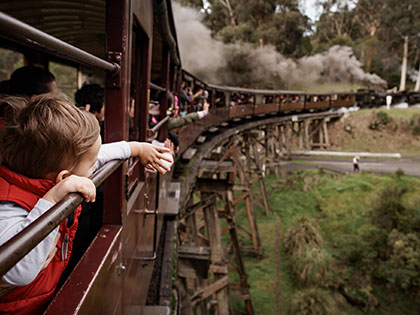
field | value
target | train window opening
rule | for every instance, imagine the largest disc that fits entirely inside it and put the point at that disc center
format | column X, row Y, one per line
column 138, row 102
column 10, row 60
column 65, row 77
column 219, row 99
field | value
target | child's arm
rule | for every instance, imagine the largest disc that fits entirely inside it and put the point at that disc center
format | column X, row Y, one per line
column 14, row 219
column 149, row 155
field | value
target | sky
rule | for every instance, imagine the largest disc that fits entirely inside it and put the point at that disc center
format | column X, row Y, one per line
column 310, row 9
column 313, row 11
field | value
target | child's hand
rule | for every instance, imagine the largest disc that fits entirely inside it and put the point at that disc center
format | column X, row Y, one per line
column 71, row 184
column 150, row 155
column 169, row 144
column 206, row 106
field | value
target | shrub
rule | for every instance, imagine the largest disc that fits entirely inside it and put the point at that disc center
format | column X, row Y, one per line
column 399, row 172
column 389, row 212
column 313, row 301
column 313, row 266
column 416, row 130
column 403, row 265
column 383, row 118
column 304, row 233
column 379, row 119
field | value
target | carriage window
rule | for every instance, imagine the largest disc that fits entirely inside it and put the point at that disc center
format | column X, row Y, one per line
column 66, row 78
column 9, row 61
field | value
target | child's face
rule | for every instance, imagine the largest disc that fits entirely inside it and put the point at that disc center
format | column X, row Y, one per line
column 87, row 162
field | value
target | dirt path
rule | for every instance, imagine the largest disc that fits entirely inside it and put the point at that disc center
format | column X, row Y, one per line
column 277, row 262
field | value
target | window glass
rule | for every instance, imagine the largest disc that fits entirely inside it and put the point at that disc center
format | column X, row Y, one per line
column 9, row 61
column 66, row 78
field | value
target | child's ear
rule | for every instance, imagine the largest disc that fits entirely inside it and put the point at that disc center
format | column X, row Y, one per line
column 87, row 107
column 62, row 175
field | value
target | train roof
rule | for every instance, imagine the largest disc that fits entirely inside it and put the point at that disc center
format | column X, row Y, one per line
column 80, row 23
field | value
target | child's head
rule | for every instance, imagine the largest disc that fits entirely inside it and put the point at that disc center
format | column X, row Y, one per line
column 47, row 136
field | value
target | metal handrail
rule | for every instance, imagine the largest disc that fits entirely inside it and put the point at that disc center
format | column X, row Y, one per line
column 160, row 124
column 22, row 243
column 156, row 87
column 25, row 34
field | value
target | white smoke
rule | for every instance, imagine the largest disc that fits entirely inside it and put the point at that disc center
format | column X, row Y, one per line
column 208, row 59
column 200, row 53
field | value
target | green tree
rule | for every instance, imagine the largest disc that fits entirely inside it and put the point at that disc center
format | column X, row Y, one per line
column 402, row 23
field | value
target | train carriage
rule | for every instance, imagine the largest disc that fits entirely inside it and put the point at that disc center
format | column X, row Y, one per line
column 130, row 47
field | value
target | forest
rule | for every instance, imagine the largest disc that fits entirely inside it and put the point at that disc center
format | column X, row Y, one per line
column 383, row 35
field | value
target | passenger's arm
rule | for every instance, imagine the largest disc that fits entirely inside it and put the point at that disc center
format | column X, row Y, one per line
column 113, row 151
column 149, row 155
column 14, row 219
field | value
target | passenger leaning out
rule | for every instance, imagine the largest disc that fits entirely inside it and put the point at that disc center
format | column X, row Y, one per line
column 48, row 149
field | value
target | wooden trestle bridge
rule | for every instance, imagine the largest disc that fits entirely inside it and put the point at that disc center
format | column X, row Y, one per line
column 214, row 175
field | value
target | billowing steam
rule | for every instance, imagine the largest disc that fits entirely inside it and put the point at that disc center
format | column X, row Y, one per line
column 213, row 60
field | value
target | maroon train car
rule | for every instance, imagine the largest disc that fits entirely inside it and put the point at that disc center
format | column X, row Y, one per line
column 130, row 48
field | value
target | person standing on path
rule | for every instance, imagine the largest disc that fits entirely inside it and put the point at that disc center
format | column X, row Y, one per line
column 356, row 161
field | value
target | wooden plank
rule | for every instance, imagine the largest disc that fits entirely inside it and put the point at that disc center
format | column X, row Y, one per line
column 241, row 197
column 218, row 269
column 211, row 185
column 165, row 292
column 216, row 258
column 201, row 139
column 261, row 181
column 236, row 248
column 204, row 293
column 199, row 205
column 189, row 154
column 213, row 166
column 194, row 252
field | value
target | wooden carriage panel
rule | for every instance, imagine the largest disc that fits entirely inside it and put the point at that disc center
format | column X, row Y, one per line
column 292, row 106
column 95, row 285
column 143, row 12
column 342, row 102
column 240, row 111
column 138, row 240
column 266, row 108
column 189, row 133
column 317, row 105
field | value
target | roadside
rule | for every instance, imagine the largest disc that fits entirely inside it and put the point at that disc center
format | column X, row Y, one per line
column 409, row 165
column 378, row 130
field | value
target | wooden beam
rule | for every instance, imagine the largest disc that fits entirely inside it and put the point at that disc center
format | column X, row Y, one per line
column 213, row 288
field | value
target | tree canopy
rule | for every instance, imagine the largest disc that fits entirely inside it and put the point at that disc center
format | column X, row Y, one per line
column 375, row 29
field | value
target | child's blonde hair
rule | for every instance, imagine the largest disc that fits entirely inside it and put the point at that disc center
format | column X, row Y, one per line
column 47, row 135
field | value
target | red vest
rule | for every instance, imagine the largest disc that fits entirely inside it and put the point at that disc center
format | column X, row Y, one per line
column 34, row 297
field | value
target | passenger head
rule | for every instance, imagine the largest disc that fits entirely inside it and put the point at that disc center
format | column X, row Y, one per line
column 4, row 87
column 28, row 81
column 47, row 136
column 91, row 97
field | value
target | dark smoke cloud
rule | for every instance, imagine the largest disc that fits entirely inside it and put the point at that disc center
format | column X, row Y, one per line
column 213, row 60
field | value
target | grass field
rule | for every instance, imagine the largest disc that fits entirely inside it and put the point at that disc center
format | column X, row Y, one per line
column 339, row 204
